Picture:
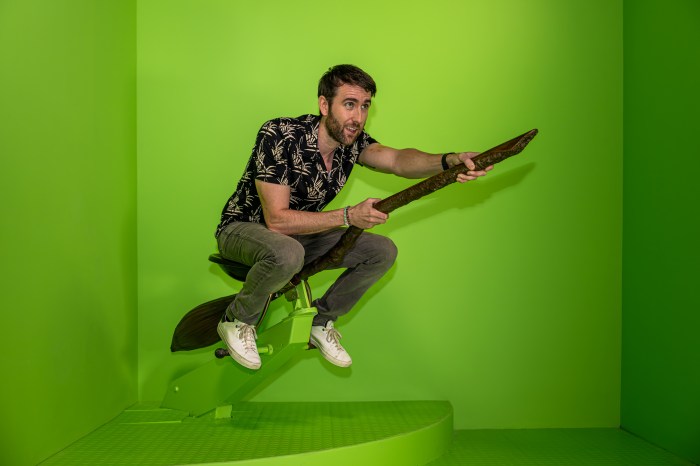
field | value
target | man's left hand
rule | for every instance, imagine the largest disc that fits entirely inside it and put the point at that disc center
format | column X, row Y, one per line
column 472, row 174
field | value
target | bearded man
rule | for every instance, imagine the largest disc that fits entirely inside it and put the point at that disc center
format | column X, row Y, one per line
column 274, row 222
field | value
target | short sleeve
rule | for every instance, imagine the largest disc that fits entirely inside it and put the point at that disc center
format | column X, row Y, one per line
column 362, row 142
column 269, row 153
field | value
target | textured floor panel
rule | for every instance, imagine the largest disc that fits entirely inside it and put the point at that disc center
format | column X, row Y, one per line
column 146, row 435
column 554, row 447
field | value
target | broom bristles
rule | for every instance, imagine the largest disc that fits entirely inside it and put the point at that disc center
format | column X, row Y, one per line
column 197, row 329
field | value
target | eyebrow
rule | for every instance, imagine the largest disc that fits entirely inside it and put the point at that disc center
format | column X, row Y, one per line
column 352, row 99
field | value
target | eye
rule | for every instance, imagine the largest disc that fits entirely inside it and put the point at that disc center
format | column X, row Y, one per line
column 365, row 107
column 349, row 105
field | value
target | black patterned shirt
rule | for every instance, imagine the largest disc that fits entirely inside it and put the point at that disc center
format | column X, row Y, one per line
column 286, row 153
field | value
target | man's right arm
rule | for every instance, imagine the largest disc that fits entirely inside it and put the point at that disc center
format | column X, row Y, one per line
column 280, row 218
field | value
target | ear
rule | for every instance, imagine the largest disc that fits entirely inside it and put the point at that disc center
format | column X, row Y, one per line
column 323, row 105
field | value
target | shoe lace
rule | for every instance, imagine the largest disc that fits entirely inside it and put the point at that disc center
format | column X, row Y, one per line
column 248, row 334
column 333, row 336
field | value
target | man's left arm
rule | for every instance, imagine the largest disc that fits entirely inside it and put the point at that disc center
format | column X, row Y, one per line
column 413, row 163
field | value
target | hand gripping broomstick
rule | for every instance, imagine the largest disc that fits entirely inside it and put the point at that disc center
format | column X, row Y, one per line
column 197, row 329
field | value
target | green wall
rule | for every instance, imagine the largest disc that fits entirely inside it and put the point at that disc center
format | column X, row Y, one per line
column 661, row 348
column 68, row 236
column 506, row 297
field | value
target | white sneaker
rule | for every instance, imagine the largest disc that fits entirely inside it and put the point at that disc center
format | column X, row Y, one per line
column 240, row 340
column 327, row 340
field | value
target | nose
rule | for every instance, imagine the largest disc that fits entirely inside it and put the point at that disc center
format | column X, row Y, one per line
column 357, row 114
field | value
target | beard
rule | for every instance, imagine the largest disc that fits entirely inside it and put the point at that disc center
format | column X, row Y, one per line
column 335, row 130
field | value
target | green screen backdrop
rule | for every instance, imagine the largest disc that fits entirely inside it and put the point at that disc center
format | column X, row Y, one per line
column 506, row 296
column 68, row 210
column 661, row 348
column 506, row 299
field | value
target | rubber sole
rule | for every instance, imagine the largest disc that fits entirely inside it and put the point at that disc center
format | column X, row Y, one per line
column 328, row 357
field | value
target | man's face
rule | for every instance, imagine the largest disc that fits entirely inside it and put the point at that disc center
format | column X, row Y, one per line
column 347, row 114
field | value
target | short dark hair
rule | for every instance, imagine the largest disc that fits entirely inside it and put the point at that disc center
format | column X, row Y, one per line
column 338, row 75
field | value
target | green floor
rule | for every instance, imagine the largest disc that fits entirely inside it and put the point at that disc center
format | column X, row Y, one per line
column 361, row 433
column 554, row 447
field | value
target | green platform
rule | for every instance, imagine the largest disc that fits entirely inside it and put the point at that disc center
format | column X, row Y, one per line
column 401, row 433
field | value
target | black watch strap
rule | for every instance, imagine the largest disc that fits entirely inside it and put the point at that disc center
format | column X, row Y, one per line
column 444, row 160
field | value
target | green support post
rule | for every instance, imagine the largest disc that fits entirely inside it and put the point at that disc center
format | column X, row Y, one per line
column 223, row 381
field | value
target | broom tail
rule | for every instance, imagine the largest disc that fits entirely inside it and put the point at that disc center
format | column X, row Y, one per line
column 197, row 329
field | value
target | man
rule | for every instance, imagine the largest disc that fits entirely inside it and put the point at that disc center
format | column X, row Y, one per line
column 274, row 221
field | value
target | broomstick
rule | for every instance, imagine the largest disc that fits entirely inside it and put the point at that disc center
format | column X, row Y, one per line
column 197, row 329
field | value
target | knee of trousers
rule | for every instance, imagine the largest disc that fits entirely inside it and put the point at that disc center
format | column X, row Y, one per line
column 288, row 259
column 384, row 251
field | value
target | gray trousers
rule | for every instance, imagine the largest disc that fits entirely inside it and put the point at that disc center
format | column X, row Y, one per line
column 274, row 258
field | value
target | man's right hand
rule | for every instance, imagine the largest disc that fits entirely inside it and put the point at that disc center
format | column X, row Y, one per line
column 365, row 216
